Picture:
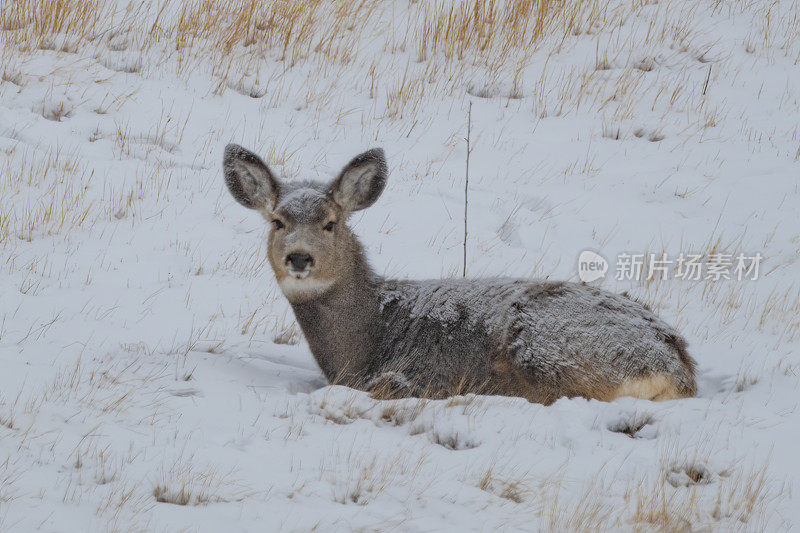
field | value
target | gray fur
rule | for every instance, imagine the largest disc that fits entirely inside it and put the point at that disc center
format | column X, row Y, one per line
column 536, row 339
column 302, row 201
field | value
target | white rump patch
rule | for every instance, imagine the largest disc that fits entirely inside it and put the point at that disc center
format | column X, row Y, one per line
column 657, row 387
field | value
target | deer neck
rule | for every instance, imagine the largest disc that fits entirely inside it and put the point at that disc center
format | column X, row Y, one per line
column 342, row 325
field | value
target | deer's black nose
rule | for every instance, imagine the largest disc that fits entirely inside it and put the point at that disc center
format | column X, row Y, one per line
column 299, row 261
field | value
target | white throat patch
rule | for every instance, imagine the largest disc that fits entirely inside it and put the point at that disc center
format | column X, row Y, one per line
column 302, row 289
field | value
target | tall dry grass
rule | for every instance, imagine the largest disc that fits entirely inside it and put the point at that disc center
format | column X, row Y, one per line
column 291, row 29
column 457, row 29
column 29, row 23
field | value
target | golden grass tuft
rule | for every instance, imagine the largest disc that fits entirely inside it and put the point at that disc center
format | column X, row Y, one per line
column 294, row 29
column 29, row 23
column 460, row 30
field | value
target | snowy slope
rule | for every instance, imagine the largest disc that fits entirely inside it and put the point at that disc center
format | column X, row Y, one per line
column 151, row 374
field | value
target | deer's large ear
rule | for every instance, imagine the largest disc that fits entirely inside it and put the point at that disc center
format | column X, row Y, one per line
column 361, row 182
column 249, row 179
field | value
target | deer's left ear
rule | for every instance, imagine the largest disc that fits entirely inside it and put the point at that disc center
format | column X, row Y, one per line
column 361, row 182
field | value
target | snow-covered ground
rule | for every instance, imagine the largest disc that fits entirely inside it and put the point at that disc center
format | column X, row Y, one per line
column 152, row 376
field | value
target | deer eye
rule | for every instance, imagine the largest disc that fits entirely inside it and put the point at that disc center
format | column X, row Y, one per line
column 329, row 226
column 277, row 224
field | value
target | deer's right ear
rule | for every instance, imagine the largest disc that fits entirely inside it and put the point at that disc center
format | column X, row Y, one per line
column 249, row 179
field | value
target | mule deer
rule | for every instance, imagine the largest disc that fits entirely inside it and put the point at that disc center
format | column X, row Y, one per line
column 536, row 339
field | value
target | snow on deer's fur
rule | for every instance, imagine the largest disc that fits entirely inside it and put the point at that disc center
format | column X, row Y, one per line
column 536, row 339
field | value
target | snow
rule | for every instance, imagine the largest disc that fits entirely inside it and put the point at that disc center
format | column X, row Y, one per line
column 142, row 387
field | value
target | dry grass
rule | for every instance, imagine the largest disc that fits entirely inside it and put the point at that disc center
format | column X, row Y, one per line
column 181, row 484
column 60, row 201
column 31, row 24
column 292, row 29
column 407, row 95
column 443, row 46
column 7, row 413
column 729, row 502
column 453, row 440
column 658, row 507
column 512, row 487
column 587, row 512
column 250, row 30
column 482, row 27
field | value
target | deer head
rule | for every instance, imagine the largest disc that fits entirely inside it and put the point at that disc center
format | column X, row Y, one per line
column 310, row 246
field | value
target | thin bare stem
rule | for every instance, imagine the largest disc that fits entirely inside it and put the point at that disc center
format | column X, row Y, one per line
column 466, row 188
